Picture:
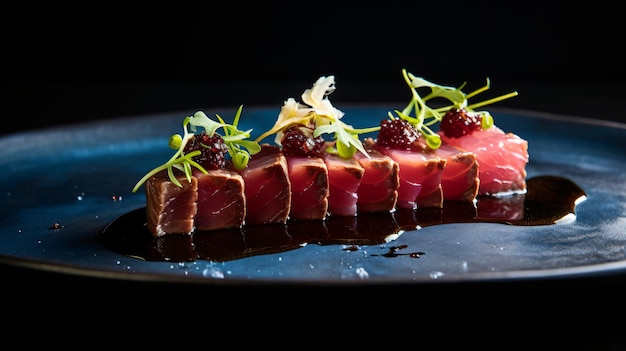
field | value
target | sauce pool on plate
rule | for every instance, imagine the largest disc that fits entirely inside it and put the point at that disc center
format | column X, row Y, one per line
column 549, row 200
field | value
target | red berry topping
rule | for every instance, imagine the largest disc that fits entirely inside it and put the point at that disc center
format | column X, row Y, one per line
column 459, row 122
column 299, row 141
column 213, row 150
column 397, row 133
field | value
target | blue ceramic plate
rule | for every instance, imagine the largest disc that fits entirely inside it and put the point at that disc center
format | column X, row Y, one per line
column 62, row 188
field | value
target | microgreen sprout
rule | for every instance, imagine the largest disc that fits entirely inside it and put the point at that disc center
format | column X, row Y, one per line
column 347, row 138
column 239, row 148
column 426, row 116
column 317, row 110
column 433, row 140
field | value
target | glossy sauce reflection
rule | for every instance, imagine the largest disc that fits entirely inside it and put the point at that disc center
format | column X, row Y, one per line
column 549, row 200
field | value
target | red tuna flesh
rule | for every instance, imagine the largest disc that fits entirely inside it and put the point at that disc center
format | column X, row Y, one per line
column 459, row 179
column 344, row 177
column 420, row 177
column 267, row 187
column 502, row 159
column 309, row 187
column 378, row 191
column 170, row 209
column 221, row 200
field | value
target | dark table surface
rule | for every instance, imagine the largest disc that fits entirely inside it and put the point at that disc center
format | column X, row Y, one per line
column 567, row 61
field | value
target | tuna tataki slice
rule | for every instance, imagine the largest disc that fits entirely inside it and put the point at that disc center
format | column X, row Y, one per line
column 221, row 200
column 420, row 177
column 267, row 187
column 459, row 179
column 344, row 178
column 309, row 187
column 502, row 159
column 170, row 209
column 378, row 191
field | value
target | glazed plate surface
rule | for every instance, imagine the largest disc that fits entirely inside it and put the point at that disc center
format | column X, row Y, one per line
column 62, row 187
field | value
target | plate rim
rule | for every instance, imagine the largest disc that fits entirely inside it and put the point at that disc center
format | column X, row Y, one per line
column 615, row 267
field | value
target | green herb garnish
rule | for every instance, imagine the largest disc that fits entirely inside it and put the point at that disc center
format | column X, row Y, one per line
column 426, row 116
column 239, row 149
column 326, row 119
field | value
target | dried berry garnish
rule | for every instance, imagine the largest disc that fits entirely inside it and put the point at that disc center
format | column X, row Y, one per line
column 207, row 149
column 212, row 149
column 317, row 112
column 397, row 133
column 299, row 141
column 458, row 122
column 422, row 116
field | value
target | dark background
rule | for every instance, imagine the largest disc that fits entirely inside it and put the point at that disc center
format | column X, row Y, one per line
column 81, row 64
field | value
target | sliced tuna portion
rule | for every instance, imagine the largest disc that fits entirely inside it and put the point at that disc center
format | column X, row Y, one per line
column 459, row 179
column 267, row 187
column 431, row 194
column 344, row 178
column 170, row 209
column 378, row 191
column 420, row 177
column 221, row 200
column 309, row 187
column 502, row 159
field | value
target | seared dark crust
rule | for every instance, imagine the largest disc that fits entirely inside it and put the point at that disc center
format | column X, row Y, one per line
column 268, row 189
column 221, row 200
column 170, row 209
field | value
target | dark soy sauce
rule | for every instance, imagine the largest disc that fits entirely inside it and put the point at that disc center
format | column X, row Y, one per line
column 548, row 200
